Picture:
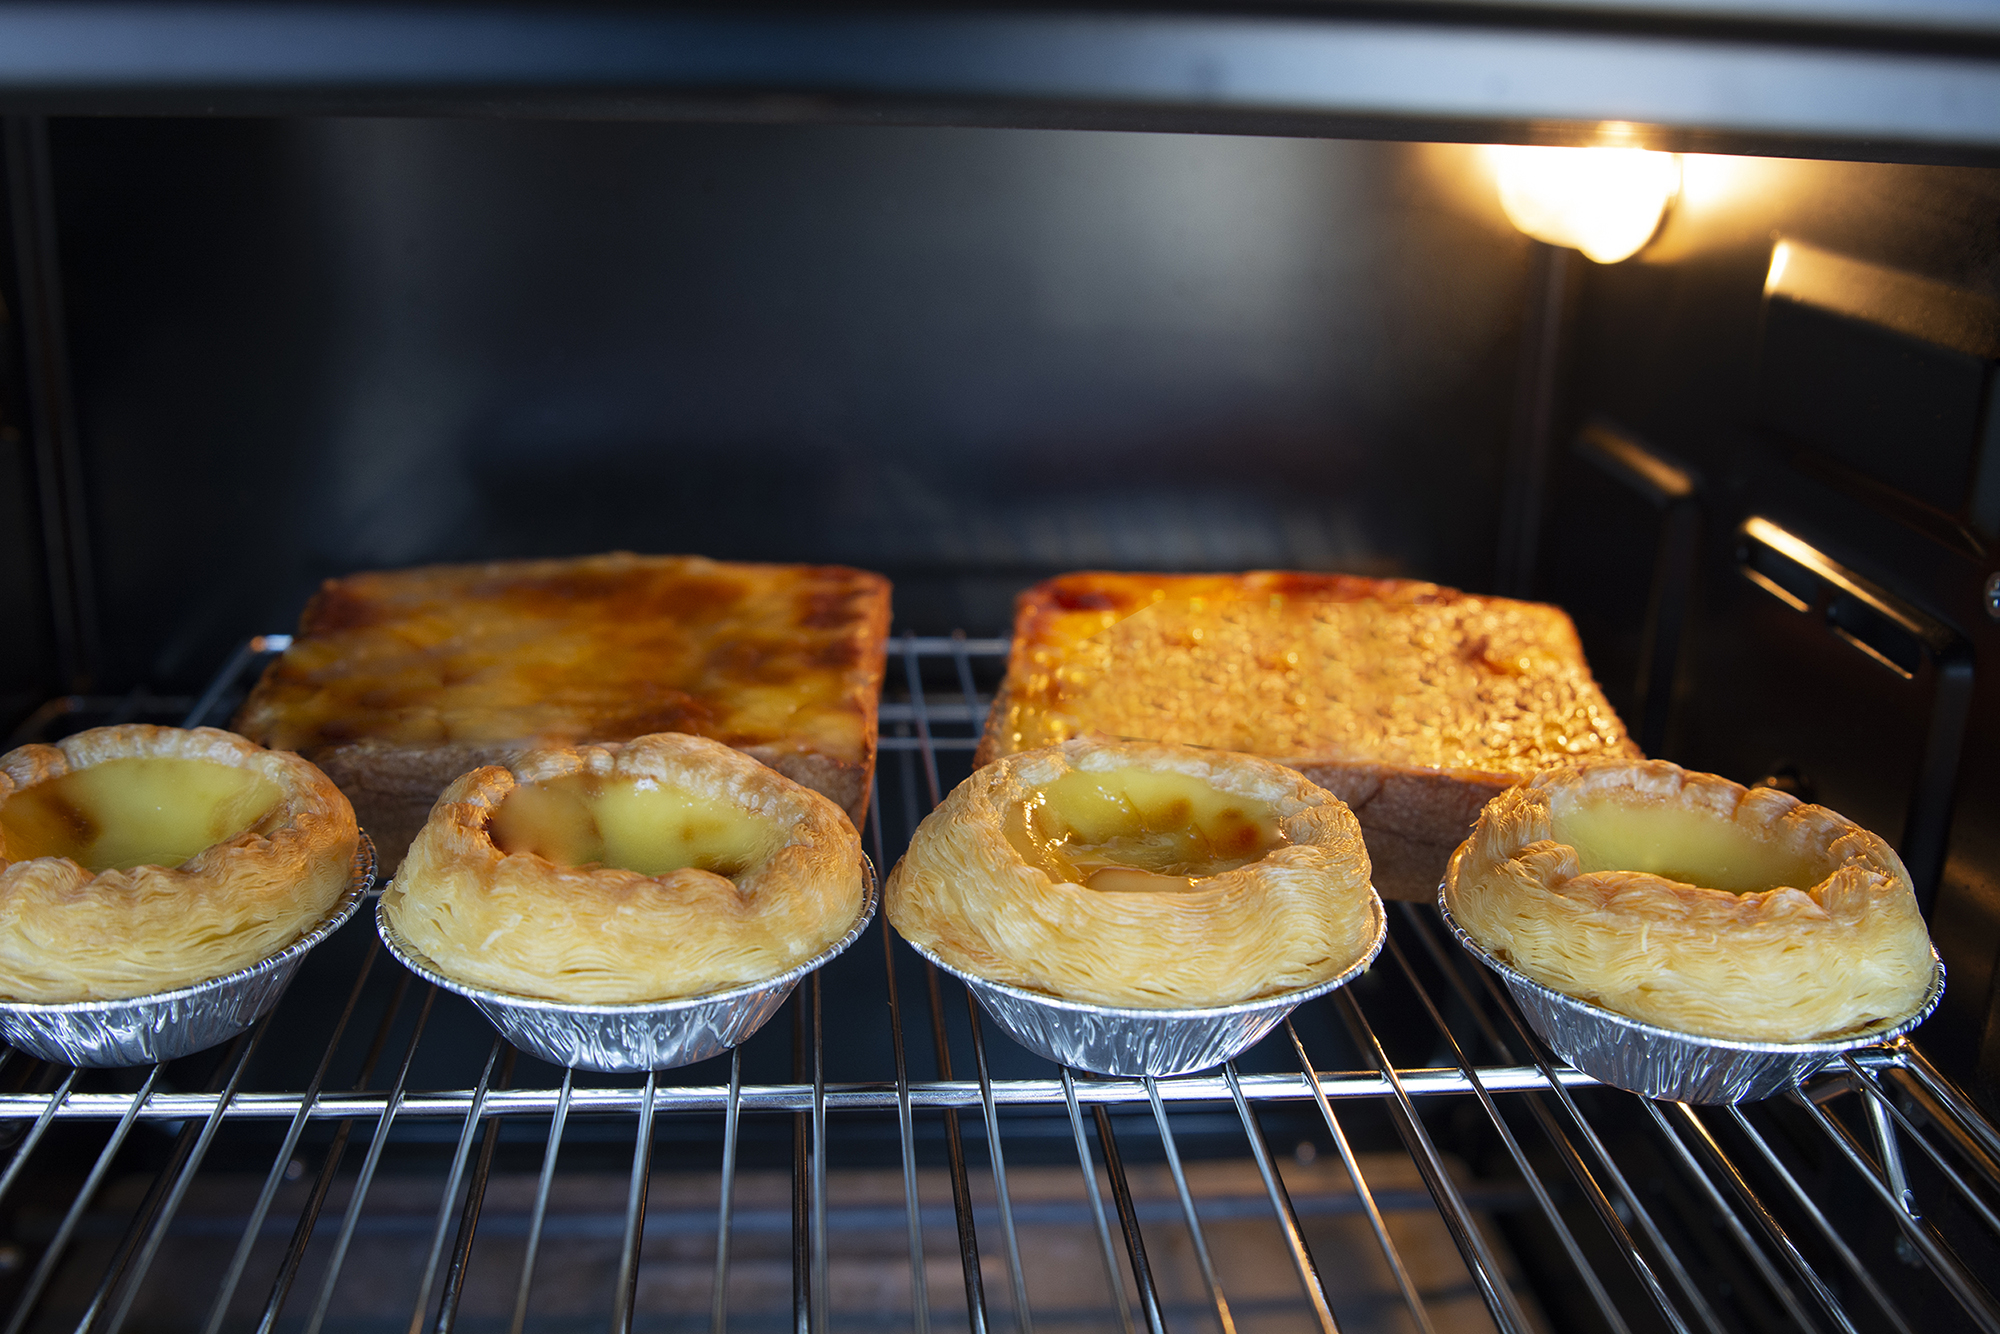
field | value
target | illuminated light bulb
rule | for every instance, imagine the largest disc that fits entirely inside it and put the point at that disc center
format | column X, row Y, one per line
column 1606, row 202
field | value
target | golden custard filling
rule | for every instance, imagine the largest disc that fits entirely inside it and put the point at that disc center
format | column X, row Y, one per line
column 1139, row 831
column 1693, row 847
column 631, row 824
column 137, row 811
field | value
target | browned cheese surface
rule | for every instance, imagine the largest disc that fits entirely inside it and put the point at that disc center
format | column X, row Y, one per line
column 1306, row 669
column 786, row 659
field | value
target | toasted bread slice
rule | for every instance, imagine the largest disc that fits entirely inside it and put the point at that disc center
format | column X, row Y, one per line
column 1414, row 704
column 399, row 682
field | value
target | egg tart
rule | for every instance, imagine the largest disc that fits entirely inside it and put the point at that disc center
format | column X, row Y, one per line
column 1694, row 904
column 136, row 859
column 1139, row 874
column 664, row 867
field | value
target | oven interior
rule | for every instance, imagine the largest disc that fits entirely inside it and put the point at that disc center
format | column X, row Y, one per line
column 1757, row 463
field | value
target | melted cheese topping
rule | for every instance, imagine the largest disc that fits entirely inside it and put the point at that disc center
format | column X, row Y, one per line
column 1693, row 847
column 598, row 648
column 122, row 813
column 632, row 824
column 1305, row 667
column 1139, row 831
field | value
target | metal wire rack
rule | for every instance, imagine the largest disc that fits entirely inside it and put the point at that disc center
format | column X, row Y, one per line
column 370, row 1156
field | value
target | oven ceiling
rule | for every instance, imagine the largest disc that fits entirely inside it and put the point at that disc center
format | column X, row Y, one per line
column 1917, row 81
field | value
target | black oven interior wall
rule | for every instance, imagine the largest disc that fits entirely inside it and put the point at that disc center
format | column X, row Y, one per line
column 972, row 358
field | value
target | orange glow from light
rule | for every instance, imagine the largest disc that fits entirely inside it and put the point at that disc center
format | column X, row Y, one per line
column 1606, row 202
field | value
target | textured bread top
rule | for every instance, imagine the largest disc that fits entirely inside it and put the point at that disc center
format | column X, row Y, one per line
column 787, row 658
column 1303, row 668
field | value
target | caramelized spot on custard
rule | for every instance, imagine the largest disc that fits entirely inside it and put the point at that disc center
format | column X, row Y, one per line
column 1134, row 830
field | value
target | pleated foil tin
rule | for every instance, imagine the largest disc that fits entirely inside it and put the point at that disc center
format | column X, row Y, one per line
column 141, row 1030
column 1660, row 1063
column 643, row 1035
column 1117, row 1040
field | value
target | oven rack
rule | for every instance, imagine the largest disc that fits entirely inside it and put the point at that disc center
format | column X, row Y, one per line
column 1870, row 1199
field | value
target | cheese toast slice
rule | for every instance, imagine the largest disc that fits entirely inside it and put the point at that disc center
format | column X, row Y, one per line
column 400, row 681
column 1413, row 703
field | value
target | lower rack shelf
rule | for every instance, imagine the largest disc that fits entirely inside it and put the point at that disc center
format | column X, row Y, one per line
column 1400, row 1155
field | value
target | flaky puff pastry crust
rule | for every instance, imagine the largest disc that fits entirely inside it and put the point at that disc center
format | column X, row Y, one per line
column 71, row 934
column 1789, row 964
column 1301, row 914
column 594, row 934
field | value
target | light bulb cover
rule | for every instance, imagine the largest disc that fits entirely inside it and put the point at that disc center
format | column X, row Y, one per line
column 1606, row 202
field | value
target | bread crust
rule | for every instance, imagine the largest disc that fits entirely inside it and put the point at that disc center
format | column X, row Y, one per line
column 1787, row 964
column 400, row 681
column 1301, row 914
column 522, row 924
column 1413, row 702
column 71, row 934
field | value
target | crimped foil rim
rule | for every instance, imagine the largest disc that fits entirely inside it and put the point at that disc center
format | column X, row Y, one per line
column 1261, row 1003
column 361, row 880
column 1882, row 1033
column 424, row 967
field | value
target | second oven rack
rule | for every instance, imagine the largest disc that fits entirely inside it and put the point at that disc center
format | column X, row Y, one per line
column 1870, row 1199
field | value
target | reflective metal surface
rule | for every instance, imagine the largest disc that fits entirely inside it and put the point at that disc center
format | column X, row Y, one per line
column 1120, row 1040
column 1661, row 1063
column 140, row 1030
column 648, row 1035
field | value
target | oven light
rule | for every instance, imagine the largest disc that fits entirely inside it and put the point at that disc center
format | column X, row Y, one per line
column 1606, row 202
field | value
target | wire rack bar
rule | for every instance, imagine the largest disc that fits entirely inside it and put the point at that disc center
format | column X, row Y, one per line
column 543, row 1183
column 1458, row 1216
column 51, row 1257
column 1023, row 1317
column 1108, row 1251
column 458, row 1161
column 1281, row 1204
column 1412, row 1300
column 950, row 1095
column 1550, row 1214
column 1761, row 1171
column 468, row 1219
column 370, row 1161
column 1572, row 1158
column 920, row 1303
column 185, row 1164
column 1725, row 1173
column 1669, row 1259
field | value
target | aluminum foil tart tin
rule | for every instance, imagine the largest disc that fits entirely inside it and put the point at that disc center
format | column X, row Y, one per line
column 141, row 1030
column 1117, row 1040
column 641, row 1035
column 1660, row 1063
